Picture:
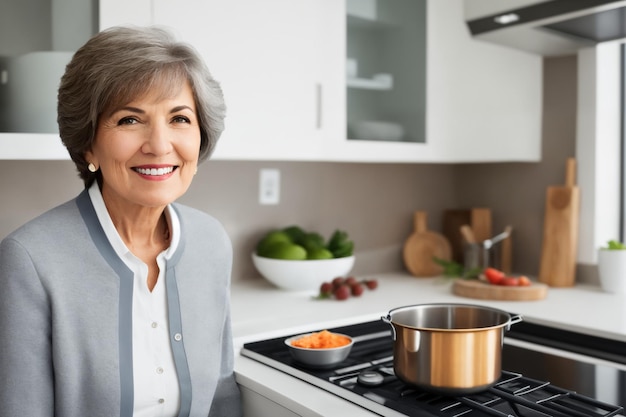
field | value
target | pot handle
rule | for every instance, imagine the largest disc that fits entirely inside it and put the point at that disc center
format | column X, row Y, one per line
column 387, row 319
column 514, row 320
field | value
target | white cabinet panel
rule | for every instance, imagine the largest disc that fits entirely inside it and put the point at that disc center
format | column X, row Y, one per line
column 483, row 101
column 267, row 57
column 118, row 12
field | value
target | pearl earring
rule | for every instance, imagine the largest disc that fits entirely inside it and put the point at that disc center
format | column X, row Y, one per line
column 91, row 167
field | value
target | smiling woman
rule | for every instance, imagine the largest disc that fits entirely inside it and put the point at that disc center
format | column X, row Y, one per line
column 117, row 302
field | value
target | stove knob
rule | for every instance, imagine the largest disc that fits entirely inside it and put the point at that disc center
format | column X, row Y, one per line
column 370, row 378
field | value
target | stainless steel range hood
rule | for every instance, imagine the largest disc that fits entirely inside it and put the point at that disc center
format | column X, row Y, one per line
column 556, row 27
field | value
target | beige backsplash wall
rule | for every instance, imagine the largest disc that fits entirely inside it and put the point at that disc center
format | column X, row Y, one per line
column 372, row 202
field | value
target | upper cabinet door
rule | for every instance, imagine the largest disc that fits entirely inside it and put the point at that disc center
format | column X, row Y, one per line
column 420, row 89
column 484, row 100
column 120, row 12
column 386, row 70
column 272, row 60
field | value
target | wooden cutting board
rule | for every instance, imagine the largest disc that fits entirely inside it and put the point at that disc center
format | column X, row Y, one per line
column 560, row 231
column 422, row 245
column 484, row 291
column 451, row 224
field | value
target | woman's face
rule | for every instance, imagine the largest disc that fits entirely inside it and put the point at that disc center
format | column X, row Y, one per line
column 147, row 150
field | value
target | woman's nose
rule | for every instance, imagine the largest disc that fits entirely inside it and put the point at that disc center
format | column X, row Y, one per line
column 158, row 140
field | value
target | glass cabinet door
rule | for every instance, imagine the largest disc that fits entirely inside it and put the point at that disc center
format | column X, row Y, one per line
column 386, row 70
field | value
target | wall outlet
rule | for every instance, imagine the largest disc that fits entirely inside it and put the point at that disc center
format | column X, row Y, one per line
column 269, row 186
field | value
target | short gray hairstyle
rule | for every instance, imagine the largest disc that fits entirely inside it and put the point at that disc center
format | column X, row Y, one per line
column 121, row 64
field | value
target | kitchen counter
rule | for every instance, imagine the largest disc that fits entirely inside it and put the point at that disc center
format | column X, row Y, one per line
column 261, row 311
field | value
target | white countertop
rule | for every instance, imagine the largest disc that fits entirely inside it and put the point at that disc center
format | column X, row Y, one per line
column 261, row 311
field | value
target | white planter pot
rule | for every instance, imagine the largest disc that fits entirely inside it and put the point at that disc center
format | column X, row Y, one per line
column 612, row 270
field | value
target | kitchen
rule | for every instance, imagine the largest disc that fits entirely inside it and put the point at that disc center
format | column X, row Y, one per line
column 323, row 195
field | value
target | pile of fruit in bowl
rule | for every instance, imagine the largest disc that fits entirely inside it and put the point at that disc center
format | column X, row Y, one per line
column 294, row 259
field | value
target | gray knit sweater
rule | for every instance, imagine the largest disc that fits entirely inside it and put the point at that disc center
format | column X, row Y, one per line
column 66, row 318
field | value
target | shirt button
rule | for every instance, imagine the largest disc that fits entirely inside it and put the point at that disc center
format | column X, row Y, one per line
column 178, row 337
column 161, row 400
column 159, row 370
column 154, row 324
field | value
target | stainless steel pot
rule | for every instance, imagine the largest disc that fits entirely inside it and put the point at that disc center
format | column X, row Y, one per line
column 453, row 349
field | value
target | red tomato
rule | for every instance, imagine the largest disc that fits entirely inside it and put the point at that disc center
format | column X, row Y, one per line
column 510, row 281
column 524, row 281
column 493, row 275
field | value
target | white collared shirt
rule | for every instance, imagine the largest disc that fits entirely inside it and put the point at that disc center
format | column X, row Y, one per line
column 156, row 389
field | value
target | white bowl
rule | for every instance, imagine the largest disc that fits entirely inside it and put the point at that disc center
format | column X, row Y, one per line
column 302, row 275
column 377, row 130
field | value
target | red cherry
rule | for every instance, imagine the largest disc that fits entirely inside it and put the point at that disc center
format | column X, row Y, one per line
column 337, row 282
column 342, row 293
column 357, row 289
column 326, row 288
column 372, row 284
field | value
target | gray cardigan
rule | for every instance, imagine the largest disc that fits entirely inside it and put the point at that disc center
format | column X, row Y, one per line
column 66, row 318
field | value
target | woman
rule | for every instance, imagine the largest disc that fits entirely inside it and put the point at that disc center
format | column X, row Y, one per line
column 116, row 303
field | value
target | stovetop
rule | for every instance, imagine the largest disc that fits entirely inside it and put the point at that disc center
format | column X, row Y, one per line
column 513, row 395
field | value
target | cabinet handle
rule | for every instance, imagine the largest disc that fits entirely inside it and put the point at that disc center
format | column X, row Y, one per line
column 318, row 106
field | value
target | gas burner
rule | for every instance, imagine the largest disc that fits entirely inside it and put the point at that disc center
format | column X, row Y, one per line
column 367, row 378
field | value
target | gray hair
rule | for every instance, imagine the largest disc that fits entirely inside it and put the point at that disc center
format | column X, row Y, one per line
column 120, row 64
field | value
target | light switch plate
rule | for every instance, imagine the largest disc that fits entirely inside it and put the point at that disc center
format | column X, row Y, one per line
column 269, row 186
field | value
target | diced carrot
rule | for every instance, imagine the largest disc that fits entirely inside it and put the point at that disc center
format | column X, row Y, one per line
column 321, row 340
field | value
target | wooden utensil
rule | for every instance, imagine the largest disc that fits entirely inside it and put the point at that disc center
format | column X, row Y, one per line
column 481, row 223
column 506, row 255
column 468, row 234
column 479, row 219
column 422, row 246
column 560, row 231
column 473, row 288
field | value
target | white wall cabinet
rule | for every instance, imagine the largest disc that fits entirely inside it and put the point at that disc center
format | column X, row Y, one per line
column 483, row 101
column 272, row 59
column 282, row 67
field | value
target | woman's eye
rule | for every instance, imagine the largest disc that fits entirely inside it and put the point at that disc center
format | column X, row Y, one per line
column 180, row 119
column 127, row 121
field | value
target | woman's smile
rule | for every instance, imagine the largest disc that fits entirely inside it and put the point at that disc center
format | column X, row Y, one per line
column 155, row 172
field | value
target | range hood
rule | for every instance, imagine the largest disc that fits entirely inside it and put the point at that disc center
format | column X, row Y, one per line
column 551, row 28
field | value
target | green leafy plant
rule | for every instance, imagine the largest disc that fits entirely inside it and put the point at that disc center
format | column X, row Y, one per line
column 452, row 269
column 615, row 245
column 340, row 245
